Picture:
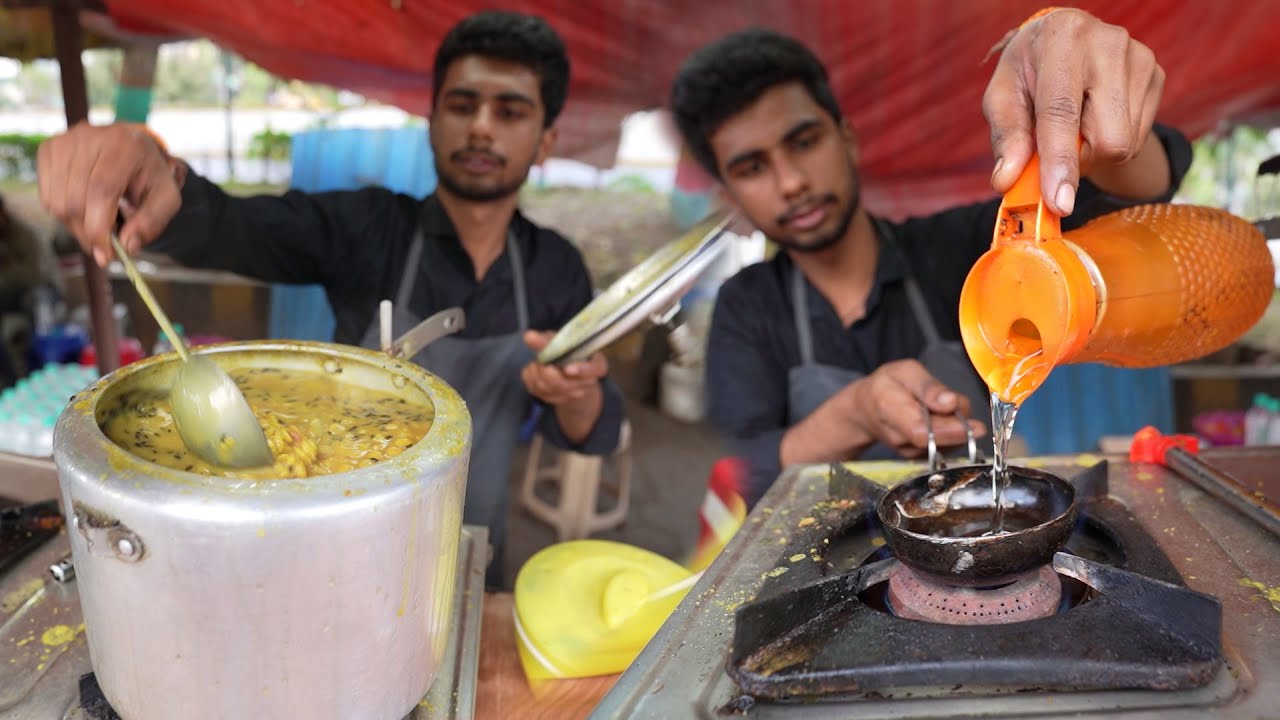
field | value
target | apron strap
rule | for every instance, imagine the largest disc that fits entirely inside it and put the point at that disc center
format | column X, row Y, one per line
column 409, row 278
column 915, row 298
column 410, row 275
column 921, row 311
column 800, row 308
column 517, row 281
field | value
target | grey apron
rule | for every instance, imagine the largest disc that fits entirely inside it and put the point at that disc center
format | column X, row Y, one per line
column 810, row 384
column 486, row 373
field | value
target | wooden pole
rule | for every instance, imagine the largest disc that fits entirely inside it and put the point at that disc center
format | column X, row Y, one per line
column 68, row 43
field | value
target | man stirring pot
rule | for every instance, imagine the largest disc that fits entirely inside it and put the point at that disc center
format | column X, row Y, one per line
column 500, row 83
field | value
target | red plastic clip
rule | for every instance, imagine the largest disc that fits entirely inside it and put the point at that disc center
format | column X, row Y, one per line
column 1150, row 446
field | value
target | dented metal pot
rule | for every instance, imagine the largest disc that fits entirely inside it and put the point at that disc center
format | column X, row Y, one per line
column 316, row 598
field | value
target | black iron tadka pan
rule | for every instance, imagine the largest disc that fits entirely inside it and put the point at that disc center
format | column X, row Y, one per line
column 939, row 523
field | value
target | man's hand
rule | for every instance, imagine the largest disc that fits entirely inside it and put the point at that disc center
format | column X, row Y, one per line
column 557, row 385
column 1065, row 75
column 573, row 390
column 885, row 407
column 88, row 175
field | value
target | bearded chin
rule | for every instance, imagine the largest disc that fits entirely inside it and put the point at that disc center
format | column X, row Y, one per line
column 472, row 193
column 829, row 240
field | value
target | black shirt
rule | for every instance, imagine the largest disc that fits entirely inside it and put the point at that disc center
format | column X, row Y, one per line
column 355, row 243
column 753, row 342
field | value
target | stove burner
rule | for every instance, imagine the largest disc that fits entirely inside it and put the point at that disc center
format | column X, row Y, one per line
column 1035, row 594
column 1120, row 617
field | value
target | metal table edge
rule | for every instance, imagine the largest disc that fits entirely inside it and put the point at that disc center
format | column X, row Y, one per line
column 637, row 680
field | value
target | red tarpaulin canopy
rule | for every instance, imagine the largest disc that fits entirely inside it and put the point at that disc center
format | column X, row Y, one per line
column 909, row 73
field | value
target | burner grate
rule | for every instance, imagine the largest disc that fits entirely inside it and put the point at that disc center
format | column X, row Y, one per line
column 92, row 702
column 823, row 629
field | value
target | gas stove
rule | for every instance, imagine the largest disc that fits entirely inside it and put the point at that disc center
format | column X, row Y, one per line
column 45, row 672
column 1164, row 603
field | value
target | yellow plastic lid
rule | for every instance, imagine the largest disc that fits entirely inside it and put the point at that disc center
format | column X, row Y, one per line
column 588, row 607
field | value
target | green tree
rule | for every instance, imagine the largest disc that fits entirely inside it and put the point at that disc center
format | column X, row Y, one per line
column 40, row 84
column 1224, row 169
column 187, row 75
column 257, row 85
column 271, row 145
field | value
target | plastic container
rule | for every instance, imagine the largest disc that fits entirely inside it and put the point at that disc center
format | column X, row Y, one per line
column 130, row 351
column 29, row 410
column 1222, row 428
column 588, row 607
column 57, row 344
column 682, row 395
column 1142, row 287
column 1271, row 434
column 1258, row 419
column 163, row 342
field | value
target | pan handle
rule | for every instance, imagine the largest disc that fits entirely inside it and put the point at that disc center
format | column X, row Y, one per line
column 975, row 454
column 936, row 462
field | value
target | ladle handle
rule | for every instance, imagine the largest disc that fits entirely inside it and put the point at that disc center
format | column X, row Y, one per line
column 147, row 298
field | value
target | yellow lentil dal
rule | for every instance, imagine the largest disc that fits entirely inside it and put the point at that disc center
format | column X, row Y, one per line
column 314, row 424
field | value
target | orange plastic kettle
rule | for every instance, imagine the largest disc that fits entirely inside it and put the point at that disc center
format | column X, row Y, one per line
column 1146, row 286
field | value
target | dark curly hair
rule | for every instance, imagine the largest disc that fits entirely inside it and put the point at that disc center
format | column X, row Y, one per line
column 524, row 39
column 723, row 78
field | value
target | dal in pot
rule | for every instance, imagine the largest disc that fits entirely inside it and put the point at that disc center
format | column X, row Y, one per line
column 315, row 425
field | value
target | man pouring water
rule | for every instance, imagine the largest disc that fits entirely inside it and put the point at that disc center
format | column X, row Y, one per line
column 827, row 351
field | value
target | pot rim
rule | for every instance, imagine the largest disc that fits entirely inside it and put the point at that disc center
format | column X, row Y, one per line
column 980, row 541
column 78, row 440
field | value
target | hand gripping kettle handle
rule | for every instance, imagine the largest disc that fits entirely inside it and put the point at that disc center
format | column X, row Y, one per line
column 1028, row 302
column 1023, row 216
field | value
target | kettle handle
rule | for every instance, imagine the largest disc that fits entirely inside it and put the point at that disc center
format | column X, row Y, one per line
column 1023, row 216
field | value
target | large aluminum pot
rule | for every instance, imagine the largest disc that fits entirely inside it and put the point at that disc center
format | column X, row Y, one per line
column 319, row 598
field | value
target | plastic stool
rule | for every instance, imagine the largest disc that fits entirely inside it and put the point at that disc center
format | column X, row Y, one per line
column 575, row 515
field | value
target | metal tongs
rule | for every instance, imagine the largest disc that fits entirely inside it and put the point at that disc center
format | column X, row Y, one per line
column 938, row 498
column 408, row 345
column 936, row 462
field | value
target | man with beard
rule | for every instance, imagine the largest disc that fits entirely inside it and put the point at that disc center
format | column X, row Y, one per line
column 500, row 80
column 828, row 351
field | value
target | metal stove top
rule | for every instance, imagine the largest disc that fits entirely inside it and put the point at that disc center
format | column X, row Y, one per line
column 1203, row 542
column 45, row 672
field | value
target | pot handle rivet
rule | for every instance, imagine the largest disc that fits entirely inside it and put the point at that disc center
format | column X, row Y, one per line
column 127, row 546
column 106, row 536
